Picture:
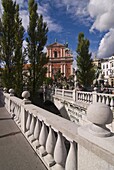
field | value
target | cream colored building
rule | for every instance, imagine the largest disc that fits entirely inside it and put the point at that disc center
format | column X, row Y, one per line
column 107, row 67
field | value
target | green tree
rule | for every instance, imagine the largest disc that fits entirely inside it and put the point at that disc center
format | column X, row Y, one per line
column 37, row 38
column 7, row 40
column 18, row 55
column 11, row 46
column 85, row 71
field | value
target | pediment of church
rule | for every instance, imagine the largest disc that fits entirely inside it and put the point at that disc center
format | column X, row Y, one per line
column 55, row 45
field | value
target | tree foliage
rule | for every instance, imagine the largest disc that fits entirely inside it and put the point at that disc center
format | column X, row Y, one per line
column 11, row 46
column 37, row 38
column 18, row 54
column 7, row 40
column 85, row 71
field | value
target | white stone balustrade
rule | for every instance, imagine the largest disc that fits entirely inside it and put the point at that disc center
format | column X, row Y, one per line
column 68, row 93
column 62, row 144
column 86, row 97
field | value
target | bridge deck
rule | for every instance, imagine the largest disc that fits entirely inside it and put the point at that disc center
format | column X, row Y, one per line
column 15, row 151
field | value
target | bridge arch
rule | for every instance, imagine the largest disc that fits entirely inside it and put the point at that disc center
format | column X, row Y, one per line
column 57, row 108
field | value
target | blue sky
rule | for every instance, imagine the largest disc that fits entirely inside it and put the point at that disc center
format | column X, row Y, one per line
column 67, row 18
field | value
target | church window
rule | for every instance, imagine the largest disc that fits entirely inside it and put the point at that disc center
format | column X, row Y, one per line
column 55, row 54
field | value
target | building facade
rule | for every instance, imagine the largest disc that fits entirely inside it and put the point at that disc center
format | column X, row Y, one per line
column 107, row 68
column 60, row 59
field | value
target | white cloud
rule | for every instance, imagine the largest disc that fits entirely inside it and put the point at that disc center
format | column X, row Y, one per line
column 1, row 9
column 76, row 8
column 103, row 14
column 25, row 18
column 24, row 44
column 52, row 25
column 45, row 49
column 106, row 46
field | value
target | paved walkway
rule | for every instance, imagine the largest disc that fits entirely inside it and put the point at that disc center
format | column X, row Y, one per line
column 15, row 151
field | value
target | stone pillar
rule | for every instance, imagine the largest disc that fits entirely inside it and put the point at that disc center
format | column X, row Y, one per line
column 95, row 95
column 96, row 139
column 25, row 95
column 61, row 54
column 50, row 70
column 71, row 67
column 11, row 91
column 74, row 95
column 50, row 54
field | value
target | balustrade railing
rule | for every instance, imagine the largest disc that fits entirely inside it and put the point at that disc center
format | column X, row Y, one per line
column 56, row 140
column 86, row 97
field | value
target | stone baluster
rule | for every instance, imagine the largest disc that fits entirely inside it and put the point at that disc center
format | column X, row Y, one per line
column 37, row 129
column 84, row 97
column 6, row 103
column 88, row 98
column 103, row 99
column 74, row 95
column 19, row 116
column 16, row 118
column 63, row 93
column 60, row 153
column 91, row 98
column 107, row 100
column 112, row 103
column 50, row 145
column 71, row 161
column 28, row 124
column 51, row 140
column 81, row 96
column 17, row 113
column 100, row 99
column 42, row 140
column 32, row 125
column 11, row 107
column 78, row 96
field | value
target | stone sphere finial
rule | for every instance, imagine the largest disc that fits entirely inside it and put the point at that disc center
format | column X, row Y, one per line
column 95, row 89
column 26, row 95
column 99, row 114
column 5, row 89
column 11, row 91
